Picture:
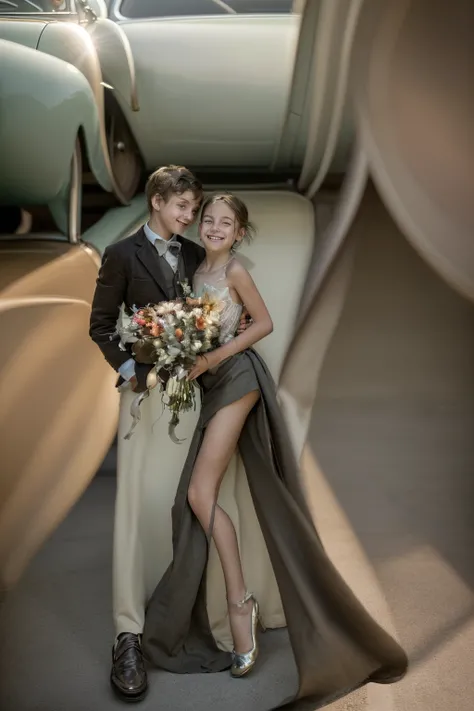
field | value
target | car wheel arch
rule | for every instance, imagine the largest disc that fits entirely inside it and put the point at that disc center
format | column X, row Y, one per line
column 73, row 44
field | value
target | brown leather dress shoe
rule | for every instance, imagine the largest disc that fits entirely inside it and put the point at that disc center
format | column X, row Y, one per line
column 128, row 675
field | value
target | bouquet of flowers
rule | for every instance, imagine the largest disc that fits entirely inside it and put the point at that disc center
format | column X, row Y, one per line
column 170, row 336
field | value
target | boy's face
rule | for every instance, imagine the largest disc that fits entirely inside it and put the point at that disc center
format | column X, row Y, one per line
column 176, row 214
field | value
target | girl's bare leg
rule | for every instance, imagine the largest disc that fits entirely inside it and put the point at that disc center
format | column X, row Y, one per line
column 218, row 445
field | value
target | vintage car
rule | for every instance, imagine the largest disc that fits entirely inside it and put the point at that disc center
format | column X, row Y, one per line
column 157, row 88
column 296, row 109
column 63, row 68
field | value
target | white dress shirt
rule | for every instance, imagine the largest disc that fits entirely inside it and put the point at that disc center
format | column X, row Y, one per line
column 127, row 369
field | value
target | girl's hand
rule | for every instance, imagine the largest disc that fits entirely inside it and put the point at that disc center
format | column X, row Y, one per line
column 203, row 363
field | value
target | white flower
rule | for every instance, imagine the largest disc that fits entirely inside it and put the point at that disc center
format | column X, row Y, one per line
column 166, row 307
column 197, row 345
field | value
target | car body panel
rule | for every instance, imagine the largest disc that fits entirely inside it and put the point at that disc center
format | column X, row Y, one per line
column 210, row 105
column 117, row 223
column 148, row 9
column 327, row 115
column 73, row 43
column 319, row 128
column 204, row 101
column 99, row 7
column 59, row 99
column 116, row 60
column 26, row 32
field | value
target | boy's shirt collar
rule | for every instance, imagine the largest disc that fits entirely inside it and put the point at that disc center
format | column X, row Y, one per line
column 153, row 236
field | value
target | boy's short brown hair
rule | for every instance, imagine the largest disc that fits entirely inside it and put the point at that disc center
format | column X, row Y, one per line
column 172, row 180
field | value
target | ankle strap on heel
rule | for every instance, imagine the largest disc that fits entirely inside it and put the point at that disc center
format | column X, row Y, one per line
column 248, row 596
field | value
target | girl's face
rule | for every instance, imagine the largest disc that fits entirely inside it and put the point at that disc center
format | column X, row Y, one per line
column 219, row 228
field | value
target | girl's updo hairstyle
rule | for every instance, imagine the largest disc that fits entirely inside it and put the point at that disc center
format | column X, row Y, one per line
column 238, row 207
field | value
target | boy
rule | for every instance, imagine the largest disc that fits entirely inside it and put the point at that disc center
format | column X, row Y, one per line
column 144, row 268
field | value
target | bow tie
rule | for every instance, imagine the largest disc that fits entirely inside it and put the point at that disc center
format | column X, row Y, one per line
column 172, row 246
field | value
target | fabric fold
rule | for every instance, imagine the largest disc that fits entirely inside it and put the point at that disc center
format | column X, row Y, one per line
column 336, row 644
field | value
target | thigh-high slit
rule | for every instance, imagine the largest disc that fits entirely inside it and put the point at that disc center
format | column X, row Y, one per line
column 336, row 644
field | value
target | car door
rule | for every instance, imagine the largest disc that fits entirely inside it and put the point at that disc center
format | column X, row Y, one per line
column 213, row 79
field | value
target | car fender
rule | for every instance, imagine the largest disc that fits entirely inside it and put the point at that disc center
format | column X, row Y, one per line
column 73, row 44
column 44, row 103
column 116, row 59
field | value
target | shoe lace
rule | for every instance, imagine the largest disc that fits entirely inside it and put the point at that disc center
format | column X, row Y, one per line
column 128, row 654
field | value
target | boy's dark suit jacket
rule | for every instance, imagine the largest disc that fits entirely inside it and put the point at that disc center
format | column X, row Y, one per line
column 132, row 274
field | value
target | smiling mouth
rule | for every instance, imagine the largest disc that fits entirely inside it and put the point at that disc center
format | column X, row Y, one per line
column 215, row 239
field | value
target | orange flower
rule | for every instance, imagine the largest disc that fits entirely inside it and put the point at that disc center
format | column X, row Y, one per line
column 193, row 302
column 156, row 329
column 179, row 334
column 200, row 323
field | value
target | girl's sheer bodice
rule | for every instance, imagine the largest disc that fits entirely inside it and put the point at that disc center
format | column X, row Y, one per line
column 214, row 283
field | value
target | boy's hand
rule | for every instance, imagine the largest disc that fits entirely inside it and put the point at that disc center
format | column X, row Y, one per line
column 135, row 387
column 245, row 321
column 163, row 377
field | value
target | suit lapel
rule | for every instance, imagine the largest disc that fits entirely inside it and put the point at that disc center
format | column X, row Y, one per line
column 152, row 262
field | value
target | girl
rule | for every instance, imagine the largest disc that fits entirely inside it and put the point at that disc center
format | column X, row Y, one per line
column 336, row 644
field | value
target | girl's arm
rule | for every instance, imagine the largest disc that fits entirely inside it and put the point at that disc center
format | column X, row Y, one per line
column 240, row 280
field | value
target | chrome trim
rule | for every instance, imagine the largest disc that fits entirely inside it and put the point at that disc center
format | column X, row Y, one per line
column 116, row 15
column 45, row 17
column 89, row 14
column 40, row 10
column 95, row 82
column 34, row 237
column 224, row 6
column 75, row 195
column 92, row 252
column 134, row 102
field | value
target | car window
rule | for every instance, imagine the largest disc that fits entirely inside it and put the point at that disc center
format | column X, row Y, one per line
column 174, row 8
column 261, row 6
column 12, row 7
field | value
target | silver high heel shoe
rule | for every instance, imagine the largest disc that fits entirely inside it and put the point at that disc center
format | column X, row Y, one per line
column 243, row 663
